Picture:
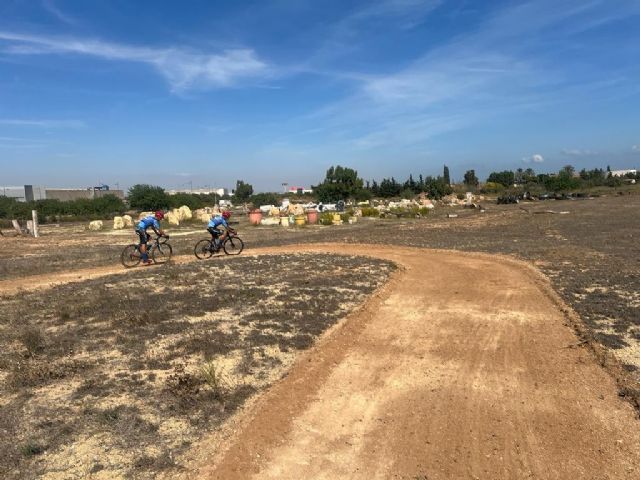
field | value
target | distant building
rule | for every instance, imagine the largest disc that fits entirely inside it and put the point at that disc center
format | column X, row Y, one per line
column 25, row 193
column 622, row 173
column 299, row 190
column 203, row 191
column 29, row 193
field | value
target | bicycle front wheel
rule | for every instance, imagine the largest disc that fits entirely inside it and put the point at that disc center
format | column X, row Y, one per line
column 233, row 246
column 203, row 249
column 161, row 253
column 130, row 256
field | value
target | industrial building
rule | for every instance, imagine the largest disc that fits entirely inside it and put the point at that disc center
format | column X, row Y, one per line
column 29, row 193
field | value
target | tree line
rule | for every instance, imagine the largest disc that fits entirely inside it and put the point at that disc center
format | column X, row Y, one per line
column 81, row 208
column 565, row 180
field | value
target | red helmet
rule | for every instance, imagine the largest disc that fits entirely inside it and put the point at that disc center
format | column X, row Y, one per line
column 226, row 214
column 159, row 215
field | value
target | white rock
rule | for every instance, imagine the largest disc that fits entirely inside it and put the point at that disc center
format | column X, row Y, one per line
column 185, row 213
column 128, row 221
column 118, row 223
column 173, row 218
column 95, row 225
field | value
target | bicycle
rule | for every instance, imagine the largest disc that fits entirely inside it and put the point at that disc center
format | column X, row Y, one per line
column 159, row 251
column 206, row 248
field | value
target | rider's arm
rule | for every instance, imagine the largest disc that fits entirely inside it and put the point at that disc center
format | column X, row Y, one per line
column 157, row 229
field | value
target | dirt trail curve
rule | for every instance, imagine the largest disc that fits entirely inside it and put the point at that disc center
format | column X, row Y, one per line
column 463, row 367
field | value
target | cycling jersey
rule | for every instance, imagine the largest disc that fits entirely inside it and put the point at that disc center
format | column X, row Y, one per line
column 217, row 221
column 148, row 222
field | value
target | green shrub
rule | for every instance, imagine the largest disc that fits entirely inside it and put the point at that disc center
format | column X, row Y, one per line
column 370, row 212
column 326, row 218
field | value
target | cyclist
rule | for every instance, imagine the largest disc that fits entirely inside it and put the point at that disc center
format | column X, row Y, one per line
column 150, row 221
column 217, row 237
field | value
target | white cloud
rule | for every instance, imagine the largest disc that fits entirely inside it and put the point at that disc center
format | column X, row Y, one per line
column 183, row 69
column 535, row 158
column 635, row 148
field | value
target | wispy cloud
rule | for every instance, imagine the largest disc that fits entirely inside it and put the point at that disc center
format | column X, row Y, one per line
column 635, row 148
column 576, row 152
column 501, row 66
column 43, row 123
column 53, row 9
column 183, row 69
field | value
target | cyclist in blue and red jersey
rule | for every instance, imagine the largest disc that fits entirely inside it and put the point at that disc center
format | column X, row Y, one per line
column 153, row 222
column 217, row 236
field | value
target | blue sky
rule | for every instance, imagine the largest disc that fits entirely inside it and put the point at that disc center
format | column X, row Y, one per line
column 274, row 91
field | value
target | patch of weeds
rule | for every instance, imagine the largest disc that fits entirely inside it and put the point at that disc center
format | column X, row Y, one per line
column 32, row 339
column 213, row 376
column 33, row 373
column 182, row 383
column 64, row 313
column 161, row 461
column 110, row 415
column 31, row 449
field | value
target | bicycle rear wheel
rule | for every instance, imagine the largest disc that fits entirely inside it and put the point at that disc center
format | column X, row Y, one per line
column 130, row 256
column 161, row 253
column 233, row 245
column 203, row 249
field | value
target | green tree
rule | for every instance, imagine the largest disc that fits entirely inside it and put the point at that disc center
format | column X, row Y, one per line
column 191, row 200
column 470, row 178
column 340, row 183
column 243, row 191
column 445, row 175
column 505, row 178
column 148, row 197
column 265, row 199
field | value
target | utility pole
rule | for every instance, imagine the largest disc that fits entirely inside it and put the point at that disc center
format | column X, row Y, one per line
column 191, row 186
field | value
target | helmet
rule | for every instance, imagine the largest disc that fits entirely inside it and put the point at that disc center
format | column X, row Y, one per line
column 159, row 215
column 226, row 214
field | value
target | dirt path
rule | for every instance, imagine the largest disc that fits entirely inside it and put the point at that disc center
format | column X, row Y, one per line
column 463, row 367
column 460, row 370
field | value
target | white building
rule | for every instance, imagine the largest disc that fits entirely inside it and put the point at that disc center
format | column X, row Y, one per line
column 622, row 173
column 299, row 190
column 25, row 193
column 203, row 191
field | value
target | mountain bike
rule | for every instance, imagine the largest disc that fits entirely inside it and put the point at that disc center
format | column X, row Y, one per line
column 232, row 245
column 158, row 249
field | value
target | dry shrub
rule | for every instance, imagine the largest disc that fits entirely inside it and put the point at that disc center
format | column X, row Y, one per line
column 33, row 340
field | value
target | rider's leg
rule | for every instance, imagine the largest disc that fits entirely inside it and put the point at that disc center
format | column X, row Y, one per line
column 143, row 245
column 214, row 237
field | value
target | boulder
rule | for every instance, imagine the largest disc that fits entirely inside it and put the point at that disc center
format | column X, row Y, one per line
column 96, row 225
column 128, row 221
column 270, row 221
column 185, row 213
column 118, row 223
column 144, row 214
column 173, row 218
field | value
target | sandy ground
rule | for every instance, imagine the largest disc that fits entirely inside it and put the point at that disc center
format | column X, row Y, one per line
column 464, row 367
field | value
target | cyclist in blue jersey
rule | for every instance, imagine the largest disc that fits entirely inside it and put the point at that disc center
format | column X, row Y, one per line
column 217, row 236
column 153, row 222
